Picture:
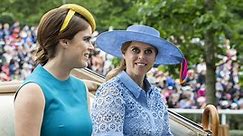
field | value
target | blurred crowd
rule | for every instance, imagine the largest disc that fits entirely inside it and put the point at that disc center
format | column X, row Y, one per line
column 192, row 95
column 16, row 48
column 18, row 44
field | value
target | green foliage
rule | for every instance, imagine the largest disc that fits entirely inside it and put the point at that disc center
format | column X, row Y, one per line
column 116, row 13
column 6, row 18
column 236, row 133
column 180, row 21
column 27, row 11
column 116, row 62
column 183, row 21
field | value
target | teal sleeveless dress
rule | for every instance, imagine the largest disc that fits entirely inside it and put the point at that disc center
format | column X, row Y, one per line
column 66, row 108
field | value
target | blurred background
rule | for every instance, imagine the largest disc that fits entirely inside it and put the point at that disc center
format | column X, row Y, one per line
column 209, row 33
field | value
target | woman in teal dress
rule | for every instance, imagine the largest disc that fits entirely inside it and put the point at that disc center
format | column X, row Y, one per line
column 51, row 102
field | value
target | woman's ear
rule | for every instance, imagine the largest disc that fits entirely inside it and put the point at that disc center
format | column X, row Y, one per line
column 63, row 43
column 123, row 56
column 123, row 53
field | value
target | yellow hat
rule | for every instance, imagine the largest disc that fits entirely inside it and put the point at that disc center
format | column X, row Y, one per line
column 79, row 9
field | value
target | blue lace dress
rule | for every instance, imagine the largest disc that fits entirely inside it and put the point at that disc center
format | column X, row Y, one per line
column 122, row 108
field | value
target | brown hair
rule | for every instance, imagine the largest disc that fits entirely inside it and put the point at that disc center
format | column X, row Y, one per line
column 48, row 34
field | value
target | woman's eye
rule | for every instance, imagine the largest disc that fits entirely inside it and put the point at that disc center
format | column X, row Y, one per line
column 135, row 50
column 92, row 40
column 148, row 51
column 87, row 39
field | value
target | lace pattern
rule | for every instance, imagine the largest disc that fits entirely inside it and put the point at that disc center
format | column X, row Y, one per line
column 117, row 112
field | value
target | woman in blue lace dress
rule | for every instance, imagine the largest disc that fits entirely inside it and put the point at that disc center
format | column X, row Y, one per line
column 127, row 104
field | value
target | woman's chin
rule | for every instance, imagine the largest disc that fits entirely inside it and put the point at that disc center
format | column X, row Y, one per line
column 82, row 65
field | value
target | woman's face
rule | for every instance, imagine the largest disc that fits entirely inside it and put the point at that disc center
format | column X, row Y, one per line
column 80, row 48
column 139, row 58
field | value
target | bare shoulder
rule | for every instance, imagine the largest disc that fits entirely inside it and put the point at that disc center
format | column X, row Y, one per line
column 30, row 95
column 29, row 109
column 92, row 85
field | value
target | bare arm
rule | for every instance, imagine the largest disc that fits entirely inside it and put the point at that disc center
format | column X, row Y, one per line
column 29, row 108
column 92, row 85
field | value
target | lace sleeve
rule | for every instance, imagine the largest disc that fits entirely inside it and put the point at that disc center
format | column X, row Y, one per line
column 108, row 111
column 167, row 126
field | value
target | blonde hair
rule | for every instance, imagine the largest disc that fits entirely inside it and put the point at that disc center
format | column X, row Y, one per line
column 116, row 71
column 122, row 65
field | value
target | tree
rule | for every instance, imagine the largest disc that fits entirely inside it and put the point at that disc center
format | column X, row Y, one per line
column 185, row 20
column 116, row 13
column 198, row 27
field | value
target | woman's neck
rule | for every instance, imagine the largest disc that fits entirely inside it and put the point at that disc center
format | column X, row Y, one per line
column 139, row 80
column 57, row 70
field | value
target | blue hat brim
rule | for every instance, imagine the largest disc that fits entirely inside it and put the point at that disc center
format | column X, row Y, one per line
column 112, row 41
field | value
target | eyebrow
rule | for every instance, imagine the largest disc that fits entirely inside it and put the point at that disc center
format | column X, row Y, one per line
column 151, row 48
column 87, row 37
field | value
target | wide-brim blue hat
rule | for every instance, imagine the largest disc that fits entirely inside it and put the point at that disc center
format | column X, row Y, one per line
column 111, row 42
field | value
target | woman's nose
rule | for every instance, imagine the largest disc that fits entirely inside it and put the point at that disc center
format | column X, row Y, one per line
column 91, row 46
column 141, row 55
